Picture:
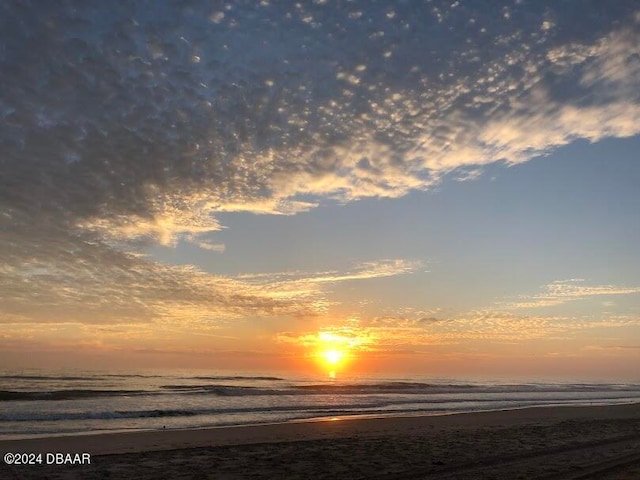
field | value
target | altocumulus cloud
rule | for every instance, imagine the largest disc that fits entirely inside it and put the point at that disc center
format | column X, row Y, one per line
column 563, row 291
column 132, row 122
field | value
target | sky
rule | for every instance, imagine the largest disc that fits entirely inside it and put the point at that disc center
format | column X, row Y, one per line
column 420, row 187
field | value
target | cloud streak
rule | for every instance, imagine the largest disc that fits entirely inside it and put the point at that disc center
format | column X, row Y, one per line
column 564, row 291
column 100, row 285
column 472, row 330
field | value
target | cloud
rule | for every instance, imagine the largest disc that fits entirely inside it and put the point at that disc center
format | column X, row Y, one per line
column 563, row 291
column 213, row 247
column 309, row 285
column 102, row 286
column 366, row 270
column 128, row 122
column 124, row 126
column 413, row 334
column 206, row 244
column 389, row 334
column 343, row 338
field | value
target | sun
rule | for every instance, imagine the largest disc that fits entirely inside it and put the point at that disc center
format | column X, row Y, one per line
column 334, row 352
column 333, row 360
column 333, row 357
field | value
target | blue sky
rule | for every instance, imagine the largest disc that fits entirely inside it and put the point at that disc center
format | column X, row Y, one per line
column 570, row 214
column 438, row 187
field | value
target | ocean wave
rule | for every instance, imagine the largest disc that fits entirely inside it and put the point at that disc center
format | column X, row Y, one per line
column 10, row 395
column 370, row 407
column 161, row 413
column 47, row 377
column 382, row 388
column 387, row 386
column 236, row 377
column 224, row 390
column 322, row 389
column 95, row 377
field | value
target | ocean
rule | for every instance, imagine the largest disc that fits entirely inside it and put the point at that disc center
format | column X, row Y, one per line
column 44, row 404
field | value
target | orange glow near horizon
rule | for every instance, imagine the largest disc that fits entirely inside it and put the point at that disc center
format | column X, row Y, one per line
column 335, row 348
column 332, row 352
column 333, row 360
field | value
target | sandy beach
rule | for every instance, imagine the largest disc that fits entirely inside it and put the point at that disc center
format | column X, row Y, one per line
column 555, row 442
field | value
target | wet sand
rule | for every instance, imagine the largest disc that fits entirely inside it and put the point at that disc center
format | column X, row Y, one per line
column 552, row 442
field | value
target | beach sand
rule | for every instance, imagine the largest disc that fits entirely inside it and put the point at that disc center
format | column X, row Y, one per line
column 599, row 442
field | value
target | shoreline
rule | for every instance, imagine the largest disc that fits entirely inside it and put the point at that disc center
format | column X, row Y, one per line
column 122, row 442
column 553, row 443
column 347, row 417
